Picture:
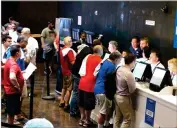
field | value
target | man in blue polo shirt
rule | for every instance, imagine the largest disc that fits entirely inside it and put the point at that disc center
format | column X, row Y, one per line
column 22, row 41
column 134, row 48
column 103, row 103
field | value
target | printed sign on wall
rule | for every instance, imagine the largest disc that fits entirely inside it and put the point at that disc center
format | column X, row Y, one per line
column 175, row 32
column 150, row 111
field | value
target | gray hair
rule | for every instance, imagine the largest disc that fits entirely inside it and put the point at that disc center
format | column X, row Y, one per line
column 114, row 43
column 22, row 38
column 98, row 49
column 26, row 30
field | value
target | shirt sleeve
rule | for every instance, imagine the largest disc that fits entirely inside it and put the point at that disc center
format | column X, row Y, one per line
column 36, row 44
column 131, row 82
column 8, row 54
column 43, row 34
column 14, row 69
column 71, row 56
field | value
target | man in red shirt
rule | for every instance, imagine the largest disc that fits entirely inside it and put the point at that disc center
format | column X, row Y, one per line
column 67, row 59
column 13, row 83
column 87, row 83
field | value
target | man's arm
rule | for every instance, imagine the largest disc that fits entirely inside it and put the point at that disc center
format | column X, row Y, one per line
column 131, row 82
column 71, row 57
column 56, row 43
column 13, row 80
column 43, row 35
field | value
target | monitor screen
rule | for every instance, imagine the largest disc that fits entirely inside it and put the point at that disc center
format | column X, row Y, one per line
column 89, row 36
column 158, row 76
column 75, row 34
column 139, row 70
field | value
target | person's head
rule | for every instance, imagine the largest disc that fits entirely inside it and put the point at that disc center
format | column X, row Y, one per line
column 26, row 32
column 144, row 42
column 50, row 25
column 7, row 40
column 14, row 26
column 154, row 57
column 130, row 60
column 172, row 65
column 98, row 49
column 19, row 30
column 115, row 57
column 146, row 52
column 38, row 123
column 96, row 42
column 68, row 41
column 83, row 36
column 22, row 41
column 124, row 53
column 113, row 46
column 15, row 51
column 135, row 42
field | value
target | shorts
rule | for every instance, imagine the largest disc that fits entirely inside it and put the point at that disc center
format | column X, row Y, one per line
column 13, row 104
column 67, row 82
column 104, row 104
column 86, row 100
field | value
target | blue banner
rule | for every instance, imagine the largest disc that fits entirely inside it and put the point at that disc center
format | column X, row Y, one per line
column 64, row 27
column 150, row 111
column 175, row 32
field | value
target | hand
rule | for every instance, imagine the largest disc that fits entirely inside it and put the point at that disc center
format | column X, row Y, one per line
column 42, row 45
column 25, row 50
column 23, row 71
column 17, row 88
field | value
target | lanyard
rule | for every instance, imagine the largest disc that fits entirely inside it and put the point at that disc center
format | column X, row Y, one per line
column 155, row 67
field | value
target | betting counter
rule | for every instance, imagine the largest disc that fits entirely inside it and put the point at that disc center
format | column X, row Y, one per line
column 154, row 109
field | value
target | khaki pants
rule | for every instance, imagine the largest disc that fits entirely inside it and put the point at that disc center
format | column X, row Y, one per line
column 123, row 107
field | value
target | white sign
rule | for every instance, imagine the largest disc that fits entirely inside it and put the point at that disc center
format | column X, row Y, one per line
column 150, row 22
column 29, row 70
column 79, row 20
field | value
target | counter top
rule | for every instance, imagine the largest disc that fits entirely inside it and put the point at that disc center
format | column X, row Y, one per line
column 143, row 88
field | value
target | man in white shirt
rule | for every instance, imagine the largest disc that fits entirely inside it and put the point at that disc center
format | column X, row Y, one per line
column 31, row 47
column 154, row 60
column 13, row 33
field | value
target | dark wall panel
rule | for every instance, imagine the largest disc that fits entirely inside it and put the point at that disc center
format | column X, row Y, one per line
column 8, row 9
column 34, row 15
column 122, row 20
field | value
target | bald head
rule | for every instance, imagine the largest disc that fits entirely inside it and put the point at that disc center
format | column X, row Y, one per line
column 98, row 49
column 68, row 41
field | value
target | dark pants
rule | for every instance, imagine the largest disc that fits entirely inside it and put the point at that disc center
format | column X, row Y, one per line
column 74, row 110
column 59, row 84
column 49, row 57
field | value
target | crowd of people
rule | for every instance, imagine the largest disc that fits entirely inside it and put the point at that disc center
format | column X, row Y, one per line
column 18, row 49
column 85, row 71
